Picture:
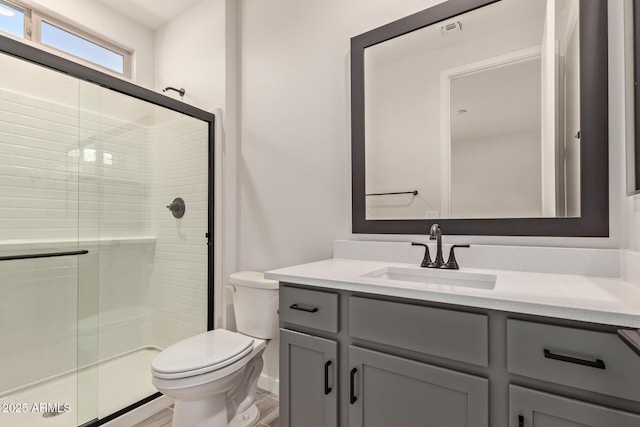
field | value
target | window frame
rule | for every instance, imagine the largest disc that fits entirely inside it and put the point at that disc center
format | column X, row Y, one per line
column 33, row 19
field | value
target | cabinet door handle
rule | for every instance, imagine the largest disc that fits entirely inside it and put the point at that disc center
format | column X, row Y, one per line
column 352, row 384
column 520, row 421
column 306, row 308
column 598, row 363
column 327, row 389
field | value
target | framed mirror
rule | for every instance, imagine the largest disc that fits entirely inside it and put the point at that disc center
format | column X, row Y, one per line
column 488, row 117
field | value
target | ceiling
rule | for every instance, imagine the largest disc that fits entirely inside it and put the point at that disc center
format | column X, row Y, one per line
column 151, row 14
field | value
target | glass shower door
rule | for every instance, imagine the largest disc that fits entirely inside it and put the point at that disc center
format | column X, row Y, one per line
column 89, row 239
column 153, row 266
column 43, row 256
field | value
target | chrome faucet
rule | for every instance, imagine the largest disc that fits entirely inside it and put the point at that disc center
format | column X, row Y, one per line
column 436, row 234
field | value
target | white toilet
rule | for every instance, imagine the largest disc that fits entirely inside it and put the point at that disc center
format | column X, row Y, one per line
column 213, row 376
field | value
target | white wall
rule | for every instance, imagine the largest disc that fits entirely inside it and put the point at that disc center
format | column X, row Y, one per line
column 98, row 19
column 294, row 170
column 190, row 54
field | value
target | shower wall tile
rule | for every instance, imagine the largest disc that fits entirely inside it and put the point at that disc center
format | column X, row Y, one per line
column 37, row 171
column 125, row 304
column 178, row 154
column 37, row 319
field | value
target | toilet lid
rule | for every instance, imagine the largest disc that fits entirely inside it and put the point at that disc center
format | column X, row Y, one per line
column 205, row 352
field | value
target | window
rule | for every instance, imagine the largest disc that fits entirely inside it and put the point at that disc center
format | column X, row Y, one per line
column 66, row 41
column 29, row 24
column 11, row 20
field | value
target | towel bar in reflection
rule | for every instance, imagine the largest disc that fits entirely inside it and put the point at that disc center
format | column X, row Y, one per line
column 414, row 192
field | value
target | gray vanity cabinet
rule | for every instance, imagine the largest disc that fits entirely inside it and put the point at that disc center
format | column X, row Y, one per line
column 386, row 390
column 308, row 365
column 529, row 408
column 399, row 362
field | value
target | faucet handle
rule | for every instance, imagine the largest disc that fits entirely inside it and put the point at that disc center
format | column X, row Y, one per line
column 452, row 264
column 427, row 258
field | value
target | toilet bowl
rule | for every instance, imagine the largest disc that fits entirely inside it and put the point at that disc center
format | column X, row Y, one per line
column 213, row 376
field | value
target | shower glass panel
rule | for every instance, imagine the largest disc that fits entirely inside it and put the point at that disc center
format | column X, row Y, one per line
column 89, row 172
column 47, row 262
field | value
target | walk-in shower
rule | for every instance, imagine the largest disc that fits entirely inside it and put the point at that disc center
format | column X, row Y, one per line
column 96, row 274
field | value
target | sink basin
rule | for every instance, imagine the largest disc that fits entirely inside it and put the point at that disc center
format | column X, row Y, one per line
column 435, row 277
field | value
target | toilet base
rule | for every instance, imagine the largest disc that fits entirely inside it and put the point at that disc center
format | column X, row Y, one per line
column 200, row 413
column 248, row 418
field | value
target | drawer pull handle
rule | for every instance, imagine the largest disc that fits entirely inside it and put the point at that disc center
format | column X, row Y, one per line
column 352, row 386
column 306, row 308
column 599, row 364
column 327, row 389
column 520, row 421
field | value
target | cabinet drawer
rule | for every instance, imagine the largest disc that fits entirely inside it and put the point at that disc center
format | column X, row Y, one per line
column 581, row 358
column 536, row 409
column 451, row 334
column 313, row 309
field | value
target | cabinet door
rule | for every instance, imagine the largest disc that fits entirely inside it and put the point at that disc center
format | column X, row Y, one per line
column 386, row 390
column 529, row 408
column 308, row 385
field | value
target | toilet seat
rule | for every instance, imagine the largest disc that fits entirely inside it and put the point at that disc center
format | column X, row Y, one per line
column 201, row 354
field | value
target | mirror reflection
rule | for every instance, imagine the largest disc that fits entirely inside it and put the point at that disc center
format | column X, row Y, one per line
column 476, row 116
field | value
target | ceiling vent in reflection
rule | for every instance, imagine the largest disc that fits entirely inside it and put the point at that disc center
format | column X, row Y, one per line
column 451, row 27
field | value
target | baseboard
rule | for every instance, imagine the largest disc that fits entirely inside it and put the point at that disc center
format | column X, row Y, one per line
column 269, row 384
column 141, row 413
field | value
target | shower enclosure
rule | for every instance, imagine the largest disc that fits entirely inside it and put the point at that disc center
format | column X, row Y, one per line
column 96, row 273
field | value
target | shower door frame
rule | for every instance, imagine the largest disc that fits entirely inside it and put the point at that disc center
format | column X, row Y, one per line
column 34, row 55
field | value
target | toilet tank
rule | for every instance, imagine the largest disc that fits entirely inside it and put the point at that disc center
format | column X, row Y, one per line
column 255, row 303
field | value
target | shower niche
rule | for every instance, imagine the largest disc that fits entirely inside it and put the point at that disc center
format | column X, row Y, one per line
column 96, row 277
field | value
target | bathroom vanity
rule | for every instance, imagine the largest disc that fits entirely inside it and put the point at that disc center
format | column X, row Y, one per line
column 389, row 344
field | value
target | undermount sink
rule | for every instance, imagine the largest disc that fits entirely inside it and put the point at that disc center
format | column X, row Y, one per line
column 435, row 277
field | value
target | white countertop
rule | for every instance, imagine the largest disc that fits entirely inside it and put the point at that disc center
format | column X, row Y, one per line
column 585, row 298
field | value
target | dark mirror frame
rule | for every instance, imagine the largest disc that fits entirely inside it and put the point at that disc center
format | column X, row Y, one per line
column 594, row 127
